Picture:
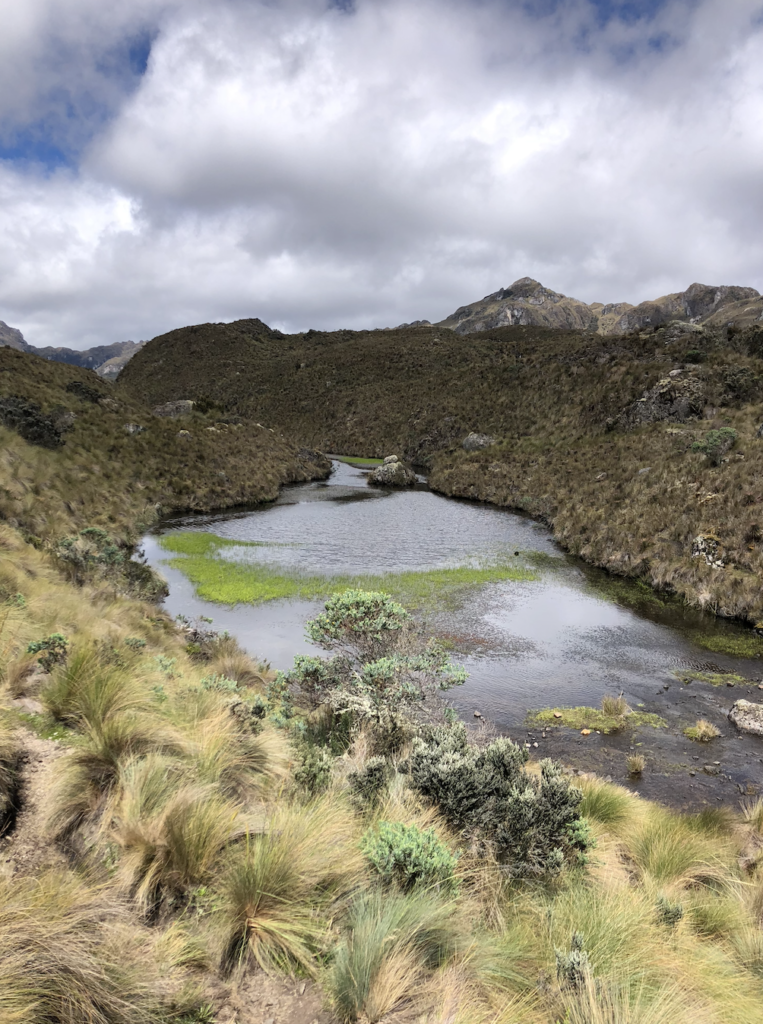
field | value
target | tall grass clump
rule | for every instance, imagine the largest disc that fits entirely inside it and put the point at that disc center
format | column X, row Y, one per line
column 9, row 773
column 58, row 964
column 170, row 833
column 240, row 763
column 667, row 849
column 86, row 690
column 279, row 885
column 392, row 944
column 606, row 804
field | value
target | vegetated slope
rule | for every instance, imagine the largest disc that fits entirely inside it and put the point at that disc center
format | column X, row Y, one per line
column 74, row 454
column 218, row 839
column 592, row 433
column 529, row 303
column 106, row 360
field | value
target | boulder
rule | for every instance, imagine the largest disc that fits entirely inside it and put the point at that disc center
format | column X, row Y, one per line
column 392, row 473
column 476, row 442
column 747, row 717
column 184, row 407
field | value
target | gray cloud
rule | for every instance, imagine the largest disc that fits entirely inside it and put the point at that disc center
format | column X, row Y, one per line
column 324, row 168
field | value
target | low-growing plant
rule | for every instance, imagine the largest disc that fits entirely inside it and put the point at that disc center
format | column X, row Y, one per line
column 615, row 707
column 409, row 856
column 635, row 764
column 716, row 443
column 527, row 819
column 52, row 649
column 668, row 911
column 573, row 966
column 702, row 731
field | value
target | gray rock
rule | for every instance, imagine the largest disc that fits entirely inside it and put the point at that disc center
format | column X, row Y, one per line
column 747, row 717
column 133, row 428
column 174, row 409
column 476, row 442
column 392, row 473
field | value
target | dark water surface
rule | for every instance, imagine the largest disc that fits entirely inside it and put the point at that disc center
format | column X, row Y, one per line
column 562, row 639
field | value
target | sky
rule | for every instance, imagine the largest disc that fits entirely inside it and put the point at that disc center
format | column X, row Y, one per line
column 363, row 163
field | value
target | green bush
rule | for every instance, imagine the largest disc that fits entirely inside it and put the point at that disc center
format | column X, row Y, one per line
column 573, row 967
column 716, row 443
column 313, row 774
column 531, row 822
column 382, row 666
column 669, row 913
column 410, row 856
column 370, row 782
column 52, row 650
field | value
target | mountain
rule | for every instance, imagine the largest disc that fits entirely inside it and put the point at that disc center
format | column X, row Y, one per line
column 106, row 360
column 529, row 303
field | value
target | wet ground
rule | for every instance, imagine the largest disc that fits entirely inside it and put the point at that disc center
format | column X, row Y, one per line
column 565, row 639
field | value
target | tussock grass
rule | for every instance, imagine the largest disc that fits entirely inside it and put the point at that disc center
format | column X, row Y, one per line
column 669, row 849
column 239, row 765
column 9, row 771
column 608, row 805
column 702, row 731
column 391, row 943
column 58, row 963
column 621, row 1002
column 86, row 691
column 279, row 885
column 239, row 666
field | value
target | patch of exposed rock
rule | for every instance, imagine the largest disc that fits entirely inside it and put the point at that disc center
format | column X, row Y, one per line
column 392, row 473
column 747, row 717
column 673, row 398
column 183, row 407
column 476, row 442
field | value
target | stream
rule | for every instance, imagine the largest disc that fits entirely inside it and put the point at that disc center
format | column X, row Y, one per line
column 565, row 638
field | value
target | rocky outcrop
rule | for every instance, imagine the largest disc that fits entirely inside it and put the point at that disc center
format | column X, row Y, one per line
column 392, row 473
column 527, row 302
column 673, row 398
column 174, row 410
column 476, row 442
column 747, row 717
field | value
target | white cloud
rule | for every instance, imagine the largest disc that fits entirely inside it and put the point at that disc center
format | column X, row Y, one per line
column 320, row 168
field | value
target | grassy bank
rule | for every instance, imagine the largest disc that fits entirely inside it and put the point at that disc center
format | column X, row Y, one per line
column 114, row 465
column 229, row 582
column 572, row 444
column 183, row 850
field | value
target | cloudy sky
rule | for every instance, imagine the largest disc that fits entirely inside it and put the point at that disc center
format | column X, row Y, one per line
column 360, row 163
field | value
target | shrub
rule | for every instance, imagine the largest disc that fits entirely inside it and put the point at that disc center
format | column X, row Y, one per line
column 716, row 443
column 91, row 550
column 52, row 650
column 487, row 792
column 410, row 856
column 382, row 667
column 315, row 769
column 369, row 782
column 702, row 731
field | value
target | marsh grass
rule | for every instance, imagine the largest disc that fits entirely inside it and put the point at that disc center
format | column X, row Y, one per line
column 229, row 582
column 614, row 716
column 702, row 731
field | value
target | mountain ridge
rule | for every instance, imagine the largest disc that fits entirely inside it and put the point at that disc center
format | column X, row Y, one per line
column 106, row 360
column 528, row 303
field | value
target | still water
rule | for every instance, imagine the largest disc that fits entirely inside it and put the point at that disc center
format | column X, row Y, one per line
column 561, row 639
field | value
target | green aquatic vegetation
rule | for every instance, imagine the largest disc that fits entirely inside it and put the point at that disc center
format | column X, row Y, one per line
column 594, row 718
column 738, row 645
column 353, row 460
column 713, row 678
column 228, row 582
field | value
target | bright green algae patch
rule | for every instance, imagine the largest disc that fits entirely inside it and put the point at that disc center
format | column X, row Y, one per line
column 713, row 678
column 227, row 582
column 594, row 718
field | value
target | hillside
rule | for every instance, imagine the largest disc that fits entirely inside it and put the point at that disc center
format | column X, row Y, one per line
column 529, row 303
column 74, row 455
column 592, row 433
column 106, row 360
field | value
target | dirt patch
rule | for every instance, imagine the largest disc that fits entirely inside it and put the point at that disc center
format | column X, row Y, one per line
column 262, row 999
column 27, row 849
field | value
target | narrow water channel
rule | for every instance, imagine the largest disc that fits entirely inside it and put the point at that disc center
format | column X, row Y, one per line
column 564, row 638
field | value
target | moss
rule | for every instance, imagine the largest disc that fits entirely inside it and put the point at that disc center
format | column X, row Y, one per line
column 228, row 582
column 45, row 726
column 713, row 678
column 593, row 718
